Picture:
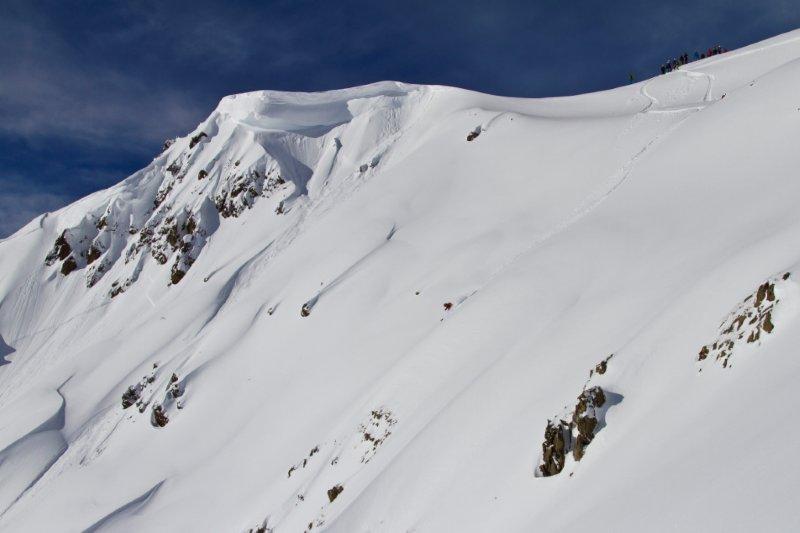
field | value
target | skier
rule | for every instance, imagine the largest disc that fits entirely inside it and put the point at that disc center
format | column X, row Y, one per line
column 663, row 69
column 630, row 77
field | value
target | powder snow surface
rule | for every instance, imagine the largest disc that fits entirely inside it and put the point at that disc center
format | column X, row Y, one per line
column 632, row 222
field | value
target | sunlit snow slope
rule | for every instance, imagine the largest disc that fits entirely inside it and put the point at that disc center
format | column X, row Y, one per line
column 413, row 308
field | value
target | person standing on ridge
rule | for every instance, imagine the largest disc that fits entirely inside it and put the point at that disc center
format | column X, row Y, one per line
column 630, row 77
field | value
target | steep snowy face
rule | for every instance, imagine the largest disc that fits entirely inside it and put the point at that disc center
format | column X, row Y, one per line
column 399, row 307
column 261, row 146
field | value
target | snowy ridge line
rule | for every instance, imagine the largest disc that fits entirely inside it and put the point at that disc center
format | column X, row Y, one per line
column 739, row 54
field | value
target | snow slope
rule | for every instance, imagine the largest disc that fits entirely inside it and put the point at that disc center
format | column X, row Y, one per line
column 332, row 311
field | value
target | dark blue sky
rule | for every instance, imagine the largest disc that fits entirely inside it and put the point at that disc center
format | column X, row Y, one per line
column 89, row 90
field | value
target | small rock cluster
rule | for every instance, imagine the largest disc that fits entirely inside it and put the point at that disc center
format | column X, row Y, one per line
column 133, row 395
column 141, row 395
column 304, row 462
column 244, row 189
column 81, row 247
column 746, row 324
column 562, row 437
column 375, row 431
column 575, row 429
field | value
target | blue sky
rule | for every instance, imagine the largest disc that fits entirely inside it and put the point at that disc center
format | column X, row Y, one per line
column 89, row 90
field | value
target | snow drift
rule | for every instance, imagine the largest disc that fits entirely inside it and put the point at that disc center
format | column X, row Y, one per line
column 400, row 307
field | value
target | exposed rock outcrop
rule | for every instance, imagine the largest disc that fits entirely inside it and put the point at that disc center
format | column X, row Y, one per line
column 130, row 396
column 167, row 219
column 747, row 323
column 304, row 462
column 244, row 190
column 334, row 492
column 375, row 431
column 159, row 418
column 601, row 367
column 69, row 265
column 557, row 442
column 575, row 428
column 196, row 139
column 562, row 437
column 585, row 419
column 474, row 134
column 60, row 251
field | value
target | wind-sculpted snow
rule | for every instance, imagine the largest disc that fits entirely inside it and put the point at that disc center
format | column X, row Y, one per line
column 259, row 145
column 361, row 310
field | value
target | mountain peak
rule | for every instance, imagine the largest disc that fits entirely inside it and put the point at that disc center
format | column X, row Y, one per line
column 398, row 307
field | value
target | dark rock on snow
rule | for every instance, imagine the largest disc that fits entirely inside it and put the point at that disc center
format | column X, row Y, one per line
column 334, row 492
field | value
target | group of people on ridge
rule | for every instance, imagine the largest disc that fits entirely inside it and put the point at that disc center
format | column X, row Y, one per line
column 683, row 59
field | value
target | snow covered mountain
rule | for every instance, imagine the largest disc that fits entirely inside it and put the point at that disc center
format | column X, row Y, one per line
column 415, row 308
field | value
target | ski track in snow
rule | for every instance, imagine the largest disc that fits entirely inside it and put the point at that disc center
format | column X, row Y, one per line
column 350, row 271
column 612, row 184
